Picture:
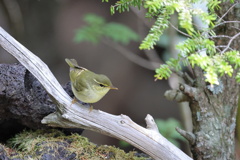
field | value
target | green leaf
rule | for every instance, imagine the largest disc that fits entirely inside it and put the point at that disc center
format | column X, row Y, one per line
column 225, row 68
column 124, row 5
column 88, row 34
column 120, row 33
column 156, row 31
column 233, row 57
column 93, row 19
column 163, row 72
column 201, row 60
column 174, row 64
column 211, row 75
column 97, row 28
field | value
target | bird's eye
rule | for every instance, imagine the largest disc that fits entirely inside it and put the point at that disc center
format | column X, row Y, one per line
column 101, row 85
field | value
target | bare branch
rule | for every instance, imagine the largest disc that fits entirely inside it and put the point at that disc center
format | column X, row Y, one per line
column 78, row 116
column 222, row 46
column 188, row 135
column 220, row 36
column 230, row 42
column 226, row 22
column 227, row 12
column 235, row 28
column 179, row 30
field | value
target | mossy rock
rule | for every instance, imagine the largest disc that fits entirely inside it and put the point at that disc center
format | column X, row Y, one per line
column 55, row 145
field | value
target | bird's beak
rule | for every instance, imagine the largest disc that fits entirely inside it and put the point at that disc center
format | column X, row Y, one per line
column 112, row 87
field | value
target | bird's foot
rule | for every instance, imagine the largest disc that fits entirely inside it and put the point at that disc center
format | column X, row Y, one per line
column 73, row 101
column 83, row 103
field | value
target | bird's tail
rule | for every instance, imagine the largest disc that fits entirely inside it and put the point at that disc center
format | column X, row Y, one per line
column 73, row 63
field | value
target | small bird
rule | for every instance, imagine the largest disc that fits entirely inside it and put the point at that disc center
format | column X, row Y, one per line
column 87, row 86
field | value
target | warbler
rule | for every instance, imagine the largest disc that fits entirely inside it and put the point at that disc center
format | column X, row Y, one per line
column 87, row 86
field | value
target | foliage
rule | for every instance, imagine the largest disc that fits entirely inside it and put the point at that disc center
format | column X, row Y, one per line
column 167, row 129
column 160, row 25
column 199, row 49
column 97, row 28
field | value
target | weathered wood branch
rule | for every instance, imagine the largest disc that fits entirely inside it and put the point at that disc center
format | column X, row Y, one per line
column 77, row 116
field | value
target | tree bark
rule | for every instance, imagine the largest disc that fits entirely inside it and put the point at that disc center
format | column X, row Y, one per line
column 214, row 119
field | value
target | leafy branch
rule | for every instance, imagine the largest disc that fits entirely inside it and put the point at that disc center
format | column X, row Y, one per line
column 199, row 49
column 97, row 28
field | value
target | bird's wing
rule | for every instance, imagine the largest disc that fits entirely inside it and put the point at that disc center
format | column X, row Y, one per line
column 79, row 85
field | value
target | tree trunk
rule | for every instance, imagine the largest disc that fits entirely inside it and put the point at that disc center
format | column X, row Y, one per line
column 214, row 119
column 214, row 112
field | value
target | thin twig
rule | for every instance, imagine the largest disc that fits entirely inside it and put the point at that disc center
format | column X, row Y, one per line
column 226, row 22
column 220, row 36
column 222, row 46
column 179, row 30
column 227, row 12
column 235, row 28
column 188, row 135
column 229, row 43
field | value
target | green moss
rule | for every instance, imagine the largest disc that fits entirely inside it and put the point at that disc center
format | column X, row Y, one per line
column 42, row 144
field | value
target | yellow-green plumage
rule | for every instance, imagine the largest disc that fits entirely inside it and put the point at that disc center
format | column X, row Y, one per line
column 88, row 86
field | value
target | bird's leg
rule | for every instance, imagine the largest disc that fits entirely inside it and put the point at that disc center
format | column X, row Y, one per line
column 73, row 101
column 91, row 108
column 90, row 105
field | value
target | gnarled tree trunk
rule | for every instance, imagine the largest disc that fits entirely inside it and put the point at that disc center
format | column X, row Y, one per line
column 214, row 112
